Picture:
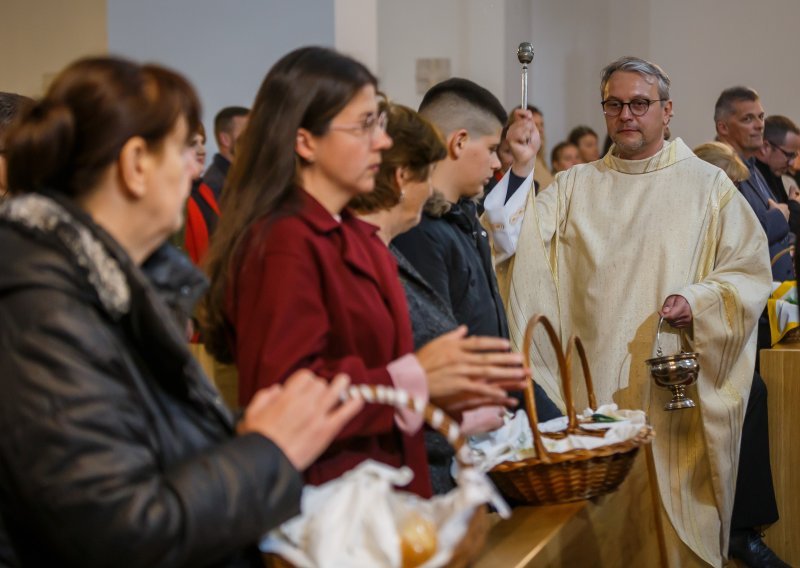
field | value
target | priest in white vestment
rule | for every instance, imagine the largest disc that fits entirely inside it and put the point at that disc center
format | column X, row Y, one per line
column 648, row 230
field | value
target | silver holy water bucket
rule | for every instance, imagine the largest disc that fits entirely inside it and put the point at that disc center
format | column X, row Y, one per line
column 674, row 372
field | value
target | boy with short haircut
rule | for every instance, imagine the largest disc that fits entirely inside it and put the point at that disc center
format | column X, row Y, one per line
column 449, row 247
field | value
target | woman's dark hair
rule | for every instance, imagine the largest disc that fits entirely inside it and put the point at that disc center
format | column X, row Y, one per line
column 579, row 132
column 305, row 89
column 416, row 145
column 66, row 141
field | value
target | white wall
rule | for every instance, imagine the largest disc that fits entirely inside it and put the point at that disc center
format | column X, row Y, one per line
column 356, row 30
column 569, row 42
column 468, row 32
column 225, row 48
column 704, row 46
column 727, row 44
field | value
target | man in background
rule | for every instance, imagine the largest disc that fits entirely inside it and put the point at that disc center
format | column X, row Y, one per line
column 202, row 208
column 774, row 159
column 739, row 120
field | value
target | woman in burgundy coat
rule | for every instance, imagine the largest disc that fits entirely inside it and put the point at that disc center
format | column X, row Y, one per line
column 298, row 282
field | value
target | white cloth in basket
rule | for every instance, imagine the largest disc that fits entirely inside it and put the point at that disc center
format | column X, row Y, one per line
column 514, row 440
column 353, row 520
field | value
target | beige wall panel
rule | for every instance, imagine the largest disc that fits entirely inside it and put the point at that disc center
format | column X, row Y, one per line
column 39, row 37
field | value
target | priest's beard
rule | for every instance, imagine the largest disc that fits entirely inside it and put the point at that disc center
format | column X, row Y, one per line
column 628, row 148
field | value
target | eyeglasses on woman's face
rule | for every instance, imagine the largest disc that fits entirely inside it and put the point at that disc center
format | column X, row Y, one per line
column 369, row 127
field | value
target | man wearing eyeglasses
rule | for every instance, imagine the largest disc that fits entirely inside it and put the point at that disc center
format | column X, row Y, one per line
column 774, row 158
column 739, row 120
column 647, row 231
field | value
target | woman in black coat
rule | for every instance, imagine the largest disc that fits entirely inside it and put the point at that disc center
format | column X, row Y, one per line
column 114, row 447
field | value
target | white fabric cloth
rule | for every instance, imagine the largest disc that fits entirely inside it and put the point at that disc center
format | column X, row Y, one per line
column 514, row 440
column 353, row 520
column 504, row 220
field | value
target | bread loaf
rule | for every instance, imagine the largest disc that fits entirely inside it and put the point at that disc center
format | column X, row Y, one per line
column 417, row 540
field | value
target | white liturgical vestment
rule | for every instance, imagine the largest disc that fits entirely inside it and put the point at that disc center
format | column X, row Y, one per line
column 598, row 252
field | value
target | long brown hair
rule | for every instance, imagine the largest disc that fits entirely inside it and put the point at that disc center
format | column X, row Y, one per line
column 305, row 89
column 65, row 141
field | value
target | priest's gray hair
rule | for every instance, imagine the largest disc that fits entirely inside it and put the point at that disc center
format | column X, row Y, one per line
column 636, row 65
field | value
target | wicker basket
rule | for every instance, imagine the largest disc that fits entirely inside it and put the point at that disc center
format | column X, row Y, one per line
column 574, row 475
column 473, row 540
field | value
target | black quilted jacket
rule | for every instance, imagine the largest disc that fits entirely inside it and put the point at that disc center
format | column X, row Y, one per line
column 114, row 448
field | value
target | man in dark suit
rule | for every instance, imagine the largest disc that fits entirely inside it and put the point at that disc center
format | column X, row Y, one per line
column 739, row 120
column 780, row 148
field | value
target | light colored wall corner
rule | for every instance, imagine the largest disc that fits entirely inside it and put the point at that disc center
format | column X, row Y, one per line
column 356, row 30
column 40, row 37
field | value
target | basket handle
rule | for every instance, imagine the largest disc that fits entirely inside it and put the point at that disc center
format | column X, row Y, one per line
column 434, row 416
column 530, row 404
column 576, row 344
column 778, row 256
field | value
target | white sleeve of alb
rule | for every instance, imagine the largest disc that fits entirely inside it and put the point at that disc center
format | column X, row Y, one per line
column 505, row 218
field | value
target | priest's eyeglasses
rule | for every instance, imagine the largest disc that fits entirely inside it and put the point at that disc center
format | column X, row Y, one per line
column 370, row 126
column 638, row 107
column 790, row 156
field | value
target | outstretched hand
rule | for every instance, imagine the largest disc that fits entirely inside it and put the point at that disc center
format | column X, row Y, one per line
column 468, row 372
column 524, row 140
column 677, row 311
column 302, row 416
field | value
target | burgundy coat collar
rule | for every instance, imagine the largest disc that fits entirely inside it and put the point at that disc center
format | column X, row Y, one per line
column 354, row 251
column 315, row 215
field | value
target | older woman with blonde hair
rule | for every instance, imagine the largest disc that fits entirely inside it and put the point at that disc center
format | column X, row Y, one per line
column 724, row 157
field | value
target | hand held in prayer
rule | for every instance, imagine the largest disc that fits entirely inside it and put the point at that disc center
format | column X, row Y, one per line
column 482, row 420
column 467, row 372
column 677, row 311
column 794, row 193
column 524, row 140
column 302, row 416
column 782, row 207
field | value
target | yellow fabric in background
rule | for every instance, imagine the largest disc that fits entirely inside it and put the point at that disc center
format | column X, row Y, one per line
column 782, row 309
column 225, row 377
